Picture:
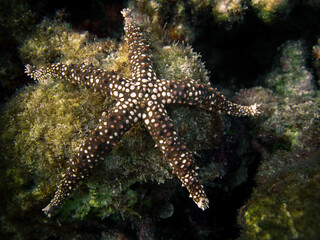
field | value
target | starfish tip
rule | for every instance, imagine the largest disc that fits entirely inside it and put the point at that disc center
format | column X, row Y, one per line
column 28, row 69
column 47, row 210
column 203, row 203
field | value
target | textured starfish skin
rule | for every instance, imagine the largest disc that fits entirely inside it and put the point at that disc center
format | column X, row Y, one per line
column 143, row 97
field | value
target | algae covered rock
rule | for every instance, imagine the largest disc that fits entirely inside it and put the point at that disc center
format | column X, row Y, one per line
column 39, row 128
column 316, row 59
column 292, row 77
column 44, row 124
column 285, row 204
column 269, row 10
column 285, row 201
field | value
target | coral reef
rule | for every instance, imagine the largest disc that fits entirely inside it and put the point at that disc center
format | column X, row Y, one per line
column 165, row 19
column 285, row 204
column 43, row 124
column 228, row 10
column 277, row 155
column 292, row 78
column 268, row 10
column 285, row 199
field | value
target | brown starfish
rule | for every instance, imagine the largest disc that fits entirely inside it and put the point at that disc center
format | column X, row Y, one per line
column 143, row 97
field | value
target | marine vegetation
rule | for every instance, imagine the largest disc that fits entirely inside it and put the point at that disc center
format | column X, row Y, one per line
column 283, row 204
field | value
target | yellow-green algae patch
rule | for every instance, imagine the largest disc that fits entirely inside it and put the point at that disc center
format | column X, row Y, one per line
column 40, row 128
column 54, row 39
column 268, row 10
column 285, row 199
column 286, row 205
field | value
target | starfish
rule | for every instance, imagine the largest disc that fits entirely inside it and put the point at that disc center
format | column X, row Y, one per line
column 142, row 98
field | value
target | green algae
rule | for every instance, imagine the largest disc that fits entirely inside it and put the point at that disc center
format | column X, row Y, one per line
column 40, row 127
column 291, row 108
column 269, row 10
column 228, row 11
column 179, row 61
column 40, row 122
column 292, row 77
column 285, row 206
column 54, row 40
column 285, row 200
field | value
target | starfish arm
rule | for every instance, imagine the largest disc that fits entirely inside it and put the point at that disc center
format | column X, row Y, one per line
column 161, row 128
column 109, row 131
column 84, row 75
column 234, row 109
column 140, row 56
column 196, row 93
